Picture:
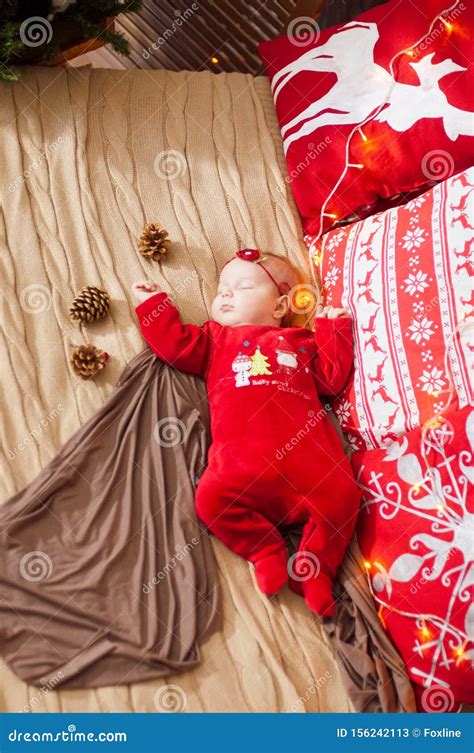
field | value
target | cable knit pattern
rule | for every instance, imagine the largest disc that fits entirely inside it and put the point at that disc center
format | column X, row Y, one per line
column 87, row 158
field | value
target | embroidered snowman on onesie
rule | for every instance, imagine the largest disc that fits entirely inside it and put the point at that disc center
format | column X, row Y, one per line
column 242, row 366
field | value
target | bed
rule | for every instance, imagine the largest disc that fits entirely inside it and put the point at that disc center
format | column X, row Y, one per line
column 101, row 153
column 81, row 174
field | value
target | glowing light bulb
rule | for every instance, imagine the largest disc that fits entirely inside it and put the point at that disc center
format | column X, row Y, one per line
column 214, row 60
column 425, row 633
column 460, row 654
column 410, row 53
column 380, row 614
column 334, row 216
column 367, row 565
column 447, row 24
column 364, row 137
column 355, row 165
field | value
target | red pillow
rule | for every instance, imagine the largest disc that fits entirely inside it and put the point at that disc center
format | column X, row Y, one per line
column 415, row 533
column 406, row 276
column 328, row 83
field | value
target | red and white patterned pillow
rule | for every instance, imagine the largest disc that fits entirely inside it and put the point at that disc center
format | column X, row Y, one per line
column 415, row 533
column 326, row 84
column 406, row 276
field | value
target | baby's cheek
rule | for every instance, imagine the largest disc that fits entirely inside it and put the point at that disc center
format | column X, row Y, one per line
column 242, row 303
column 214, row 307
column 249, row 295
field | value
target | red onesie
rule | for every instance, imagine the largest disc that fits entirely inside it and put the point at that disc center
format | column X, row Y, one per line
column 276, row 459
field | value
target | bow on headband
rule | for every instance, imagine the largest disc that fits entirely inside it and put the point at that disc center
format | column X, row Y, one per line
column 253, row 254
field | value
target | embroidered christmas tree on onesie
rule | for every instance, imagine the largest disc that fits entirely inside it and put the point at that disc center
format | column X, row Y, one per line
column 260, row 365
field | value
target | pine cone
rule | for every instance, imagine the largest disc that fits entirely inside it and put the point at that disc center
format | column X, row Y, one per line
column 152, row 242
column 90, row 304
column 87, row 360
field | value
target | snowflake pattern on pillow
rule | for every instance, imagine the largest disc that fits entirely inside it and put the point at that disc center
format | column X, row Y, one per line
column 416, row 534
column 406, row 276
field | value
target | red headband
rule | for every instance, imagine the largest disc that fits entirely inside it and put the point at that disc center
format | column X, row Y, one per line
column 253, row 254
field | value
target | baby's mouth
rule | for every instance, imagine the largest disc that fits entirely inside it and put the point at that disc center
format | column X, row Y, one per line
column 227, row 307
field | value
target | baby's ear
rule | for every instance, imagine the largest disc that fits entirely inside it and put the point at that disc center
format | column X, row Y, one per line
column 282, row 307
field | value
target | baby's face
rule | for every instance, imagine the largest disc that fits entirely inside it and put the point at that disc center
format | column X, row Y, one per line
column 246, row 295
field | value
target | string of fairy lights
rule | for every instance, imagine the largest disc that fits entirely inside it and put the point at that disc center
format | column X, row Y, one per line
column 315, row 263
column 425, row 634
column 315, row 258
column 305, row 300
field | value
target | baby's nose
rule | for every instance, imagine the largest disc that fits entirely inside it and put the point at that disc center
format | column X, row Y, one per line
column 226, row 293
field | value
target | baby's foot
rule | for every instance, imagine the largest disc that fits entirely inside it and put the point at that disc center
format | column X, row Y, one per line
column 318, row 595
column 271, row 573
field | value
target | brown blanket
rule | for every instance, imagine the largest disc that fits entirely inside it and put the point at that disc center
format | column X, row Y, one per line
column 372, row 670
column 106, row 575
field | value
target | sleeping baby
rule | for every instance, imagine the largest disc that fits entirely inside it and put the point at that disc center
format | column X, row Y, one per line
column 276, row 459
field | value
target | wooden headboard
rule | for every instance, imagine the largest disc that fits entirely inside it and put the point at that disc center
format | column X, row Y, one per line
column 332, row 12
column 310, row 8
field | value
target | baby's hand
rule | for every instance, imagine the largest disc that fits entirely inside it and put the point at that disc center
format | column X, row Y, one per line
column 144, row 290
column 329, row 312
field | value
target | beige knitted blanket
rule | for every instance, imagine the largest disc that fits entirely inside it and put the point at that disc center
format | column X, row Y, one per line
column 87, row 158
